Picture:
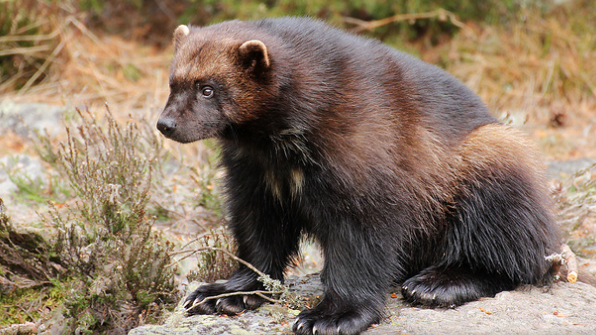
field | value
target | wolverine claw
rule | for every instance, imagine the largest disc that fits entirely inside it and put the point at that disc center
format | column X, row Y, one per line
column 298, row 324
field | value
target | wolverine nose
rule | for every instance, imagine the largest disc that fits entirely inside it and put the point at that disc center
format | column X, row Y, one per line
column 166, row 126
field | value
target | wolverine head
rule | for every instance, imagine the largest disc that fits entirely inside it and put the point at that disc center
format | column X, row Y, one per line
column 218, row 81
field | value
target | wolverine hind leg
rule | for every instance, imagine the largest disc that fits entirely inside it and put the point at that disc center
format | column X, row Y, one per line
column 500, row 230
column 438, row 286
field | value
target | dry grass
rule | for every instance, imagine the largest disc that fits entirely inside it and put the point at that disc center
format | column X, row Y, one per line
column 540, row 70
column 536, row 63
column 82, row 68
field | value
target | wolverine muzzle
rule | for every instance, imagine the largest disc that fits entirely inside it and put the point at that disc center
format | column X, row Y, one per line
column 167, row 126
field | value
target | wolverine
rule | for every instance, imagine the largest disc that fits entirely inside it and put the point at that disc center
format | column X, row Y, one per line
column 392, row 165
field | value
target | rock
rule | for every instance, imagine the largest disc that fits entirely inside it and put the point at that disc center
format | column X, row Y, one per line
column 564, row 308
column 20, row 166
column 565, row 169
column 561, row 309
column 20, row 329
column 26, row 168
column 21, row 118
column 7, row 187
column 268, row 319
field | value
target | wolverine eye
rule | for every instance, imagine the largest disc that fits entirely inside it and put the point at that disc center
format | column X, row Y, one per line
column 207, row 91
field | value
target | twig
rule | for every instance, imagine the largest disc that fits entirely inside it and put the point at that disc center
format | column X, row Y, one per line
column 260, row 293
column 174, row 253
column 31, row 26
column 34, row 38
column 23, row 51
column 43, row 67
column 571, row 261
column 371, row 25
column 25, row 311
column 225, row 251
column 195, row 240
column 88, row 33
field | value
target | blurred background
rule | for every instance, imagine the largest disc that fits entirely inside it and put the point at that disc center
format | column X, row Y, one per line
column 533, row 62
column 530, row 59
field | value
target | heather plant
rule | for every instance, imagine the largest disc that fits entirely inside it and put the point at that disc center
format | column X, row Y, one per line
column 576, row 210
column 212, row 264
column 105, row 237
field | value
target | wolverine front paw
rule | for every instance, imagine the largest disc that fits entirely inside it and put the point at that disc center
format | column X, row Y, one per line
column 205, row 300
column 319, row 321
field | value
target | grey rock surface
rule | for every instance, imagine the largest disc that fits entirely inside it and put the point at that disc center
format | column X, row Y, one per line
column 21, row 118
column 19, row 167
column 565, row 169
column 561, row 309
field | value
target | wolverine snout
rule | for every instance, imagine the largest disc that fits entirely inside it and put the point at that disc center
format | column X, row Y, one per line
column 167, row 126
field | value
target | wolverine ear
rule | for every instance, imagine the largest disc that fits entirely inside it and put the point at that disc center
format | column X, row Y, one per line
column 254, row 54
column 180, row 33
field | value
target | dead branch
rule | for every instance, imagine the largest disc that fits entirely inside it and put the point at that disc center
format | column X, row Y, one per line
column 225, row 251
column 441, row 13
column 260, row 293
column 571, row 262
column 199, row 237
column 262, row 277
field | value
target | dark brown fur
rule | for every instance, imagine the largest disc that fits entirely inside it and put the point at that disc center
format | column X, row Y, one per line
column 391, row 164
